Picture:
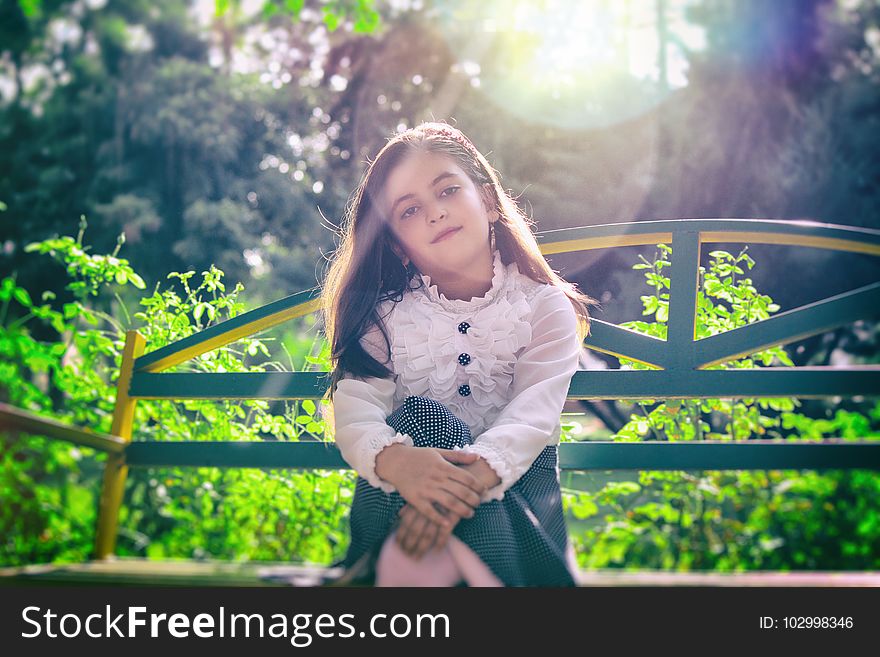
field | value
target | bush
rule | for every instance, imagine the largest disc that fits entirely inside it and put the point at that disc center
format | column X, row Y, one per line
column 50, row 488
column 730, row 520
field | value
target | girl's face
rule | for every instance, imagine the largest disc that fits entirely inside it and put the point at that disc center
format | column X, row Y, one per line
column 428, row 194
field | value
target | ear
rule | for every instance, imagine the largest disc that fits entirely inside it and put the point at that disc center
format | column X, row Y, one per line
column 399, row 253
column 489, row 202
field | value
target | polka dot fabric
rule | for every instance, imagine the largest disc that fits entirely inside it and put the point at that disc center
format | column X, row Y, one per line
column 521, row 538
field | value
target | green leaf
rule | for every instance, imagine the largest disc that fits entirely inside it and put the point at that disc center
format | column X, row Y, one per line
column 21, row 295
column 71, row 310
column 366, row 18
column 31, row 8
column 6, row 289
column 58, row 323
column 155, row 551
column 331, row 19
column 663, row 313
column 293, row 7
column 584, row 509
column 121, row 277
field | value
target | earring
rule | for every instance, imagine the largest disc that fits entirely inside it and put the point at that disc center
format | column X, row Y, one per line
column 492, row 236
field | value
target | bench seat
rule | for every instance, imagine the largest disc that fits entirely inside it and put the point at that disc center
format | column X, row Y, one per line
column 136, row 571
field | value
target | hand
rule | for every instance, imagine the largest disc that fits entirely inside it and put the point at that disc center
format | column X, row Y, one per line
column 484, row 472
column 416, row 534
column 427, row 477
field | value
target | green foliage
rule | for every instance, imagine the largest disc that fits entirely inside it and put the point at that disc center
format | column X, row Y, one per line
column 30, row 8
column 144, row 126
column 363, row 13
column 50, row 489
column 777, row 520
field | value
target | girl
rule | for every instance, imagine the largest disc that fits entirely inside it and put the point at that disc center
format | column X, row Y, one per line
column 454, row 344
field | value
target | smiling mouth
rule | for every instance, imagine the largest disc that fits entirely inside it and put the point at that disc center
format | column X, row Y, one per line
column 446, row 234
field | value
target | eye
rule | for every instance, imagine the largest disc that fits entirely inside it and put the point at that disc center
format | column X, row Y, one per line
column 410, row 211
column 452, row 190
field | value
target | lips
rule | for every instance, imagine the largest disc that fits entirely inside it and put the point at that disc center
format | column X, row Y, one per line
column 446, row 233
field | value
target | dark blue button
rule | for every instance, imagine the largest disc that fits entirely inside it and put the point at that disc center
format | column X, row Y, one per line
column 464, row 359
column 463, row 327
column 464, row 390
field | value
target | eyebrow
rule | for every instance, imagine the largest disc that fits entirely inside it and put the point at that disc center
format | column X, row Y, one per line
column 442, row 176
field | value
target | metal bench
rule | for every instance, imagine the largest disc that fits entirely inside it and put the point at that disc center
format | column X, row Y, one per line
column 679, row 363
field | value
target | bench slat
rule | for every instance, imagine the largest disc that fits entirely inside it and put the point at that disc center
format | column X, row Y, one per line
column 134, row 571
column 592, row 455
column 802, row 382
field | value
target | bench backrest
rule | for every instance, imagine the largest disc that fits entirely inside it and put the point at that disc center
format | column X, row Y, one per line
column 678, row 368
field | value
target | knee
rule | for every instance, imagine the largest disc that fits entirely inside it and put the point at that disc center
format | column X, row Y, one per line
column 396, row 568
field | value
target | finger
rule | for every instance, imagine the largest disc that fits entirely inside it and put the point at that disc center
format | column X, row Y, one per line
column 415, row 533
column 442, row 538
column 451, row 517
column 418, row 537
column 443, row 535
column 453, row 504
column 425, row 506
column 427, row 539
column 463, row 493
column 408, row 517
column 455, row 456
column 403, row 530
column 467, row 479
column 431, row 528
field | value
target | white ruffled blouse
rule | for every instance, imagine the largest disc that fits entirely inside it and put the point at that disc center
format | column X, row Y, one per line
column 502, row 363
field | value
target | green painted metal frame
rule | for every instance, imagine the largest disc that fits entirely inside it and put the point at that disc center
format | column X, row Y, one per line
column 681, row 358
column 678, row 368
column 680, row 361
column 598, row 455
column 592, row 384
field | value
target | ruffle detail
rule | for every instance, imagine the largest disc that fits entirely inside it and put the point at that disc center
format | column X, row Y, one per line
column 371, row 448
column 497, row 462
column 427, row 344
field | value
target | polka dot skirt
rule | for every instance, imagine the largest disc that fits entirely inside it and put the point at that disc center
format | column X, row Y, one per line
column 521, row 538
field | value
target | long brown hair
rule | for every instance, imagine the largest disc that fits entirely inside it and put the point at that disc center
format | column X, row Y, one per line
column 366, row 271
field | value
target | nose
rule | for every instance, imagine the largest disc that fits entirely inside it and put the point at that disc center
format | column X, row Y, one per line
column 440, row 212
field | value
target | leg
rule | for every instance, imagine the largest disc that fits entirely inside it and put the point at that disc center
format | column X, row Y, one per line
column 396, row 568
column 444, row 567
column 473, row 569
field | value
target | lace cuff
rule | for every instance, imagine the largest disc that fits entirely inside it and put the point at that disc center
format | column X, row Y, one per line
column 499, row 464
column 370, row 450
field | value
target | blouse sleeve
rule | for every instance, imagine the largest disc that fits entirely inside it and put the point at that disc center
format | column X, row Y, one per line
column 541, row 378
column 360, row 407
